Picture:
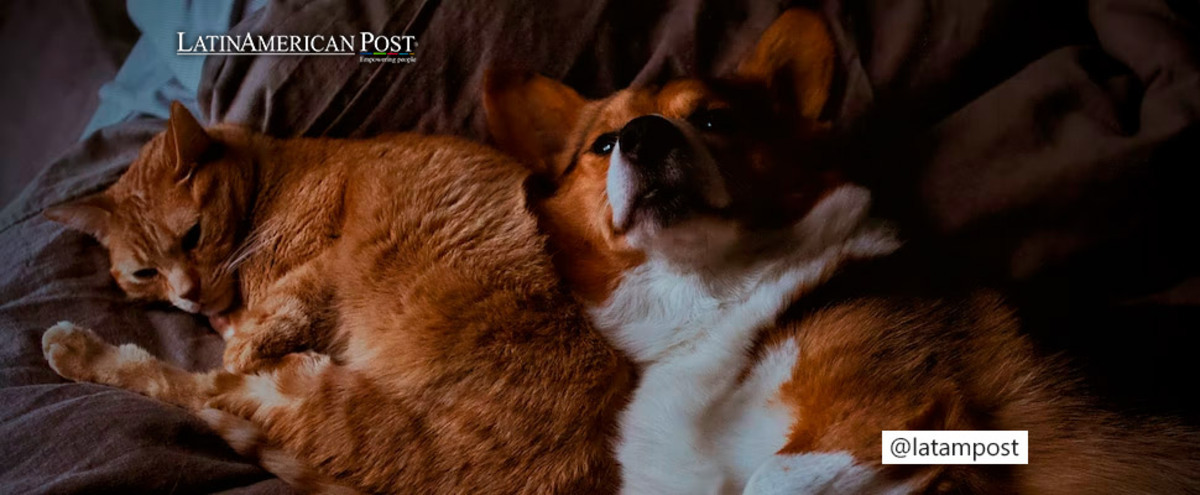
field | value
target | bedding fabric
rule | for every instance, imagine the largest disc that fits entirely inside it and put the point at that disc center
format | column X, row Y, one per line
column 1047, row 147
column 153, row 75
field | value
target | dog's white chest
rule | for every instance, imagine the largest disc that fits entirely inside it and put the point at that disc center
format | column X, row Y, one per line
column 692, row 425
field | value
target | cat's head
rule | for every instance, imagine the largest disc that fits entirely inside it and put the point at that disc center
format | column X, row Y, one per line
column 170, row 222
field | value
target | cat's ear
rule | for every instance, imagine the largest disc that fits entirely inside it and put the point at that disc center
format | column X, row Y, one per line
column 530, row 116
column 795, row 60
column 91, row 215
column 186, row 141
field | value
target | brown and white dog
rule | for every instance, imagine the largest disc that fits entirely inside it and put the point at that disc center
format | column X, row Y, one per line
column 689, row 220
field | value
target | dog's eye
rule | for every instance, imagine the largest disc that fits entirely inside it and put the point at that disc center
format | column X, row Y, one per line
column 713, row 119
column 145, row 273
column 192, row 238
column 604, row 144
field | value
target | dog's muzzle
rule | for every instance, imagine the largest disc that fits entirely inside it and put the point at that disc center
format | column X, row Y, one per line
column 658, row 173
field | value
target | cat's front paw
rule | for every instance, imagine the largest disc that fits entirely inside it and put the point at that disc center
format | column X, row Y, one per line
column 243, row 354
column 72, row 351
column 223, row 325
column 256, row 341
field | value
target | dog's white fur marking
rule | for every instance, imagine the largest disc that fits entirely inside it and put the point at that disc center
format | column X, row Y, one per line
column 690, row 329
column 745, row 437
column 833, row 473
column 704, row 171
column 619, row 186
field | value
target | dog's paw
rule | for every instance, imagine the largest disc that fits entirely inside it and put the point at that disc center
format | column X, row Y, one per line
column 820, row 473
column 72, row 351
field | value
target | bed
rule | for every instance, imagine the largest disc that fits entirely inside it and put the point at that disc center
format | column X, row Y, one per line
column 1049, row 148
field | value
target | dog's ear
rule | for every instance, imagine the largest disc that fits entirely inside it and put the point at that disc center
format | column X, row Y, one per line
column 795, row 59
column 186, row 140
column 90, row 215
column 530, row 116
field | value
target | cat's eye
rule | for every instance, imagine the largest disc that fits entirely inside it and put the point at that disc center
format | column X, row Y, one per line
column 145, row 273
column 604, row 144
column 713, row 119
column 191, row 239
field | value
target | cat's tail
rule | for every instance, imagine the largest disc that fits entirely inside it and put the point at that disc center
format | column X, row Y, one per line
column 247, row 439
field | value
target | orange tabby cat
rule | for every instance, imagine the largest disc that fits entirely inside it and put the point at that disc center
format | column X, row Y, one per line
column 455, row 361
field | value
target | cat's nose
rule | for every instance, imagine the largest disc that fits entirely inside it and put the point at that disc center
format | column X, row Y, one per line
column 191, row 293
column 185, row 290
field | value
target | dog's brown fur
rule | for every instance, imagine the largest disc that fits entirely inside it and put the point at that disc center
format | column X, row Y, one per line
column 456, row 362
column 961, row 363
column 865, row 364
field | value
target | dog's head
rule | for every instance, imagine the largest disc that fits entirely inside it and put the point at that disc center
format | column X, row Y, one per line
column 697, row 173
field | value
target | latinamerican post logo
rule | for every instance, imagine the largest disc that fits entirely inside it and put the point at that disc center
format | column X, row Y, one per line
column 368, row 47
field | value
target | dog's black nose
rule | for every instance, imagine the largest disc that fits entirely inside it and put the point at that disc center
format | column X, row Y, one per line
column 647, row 140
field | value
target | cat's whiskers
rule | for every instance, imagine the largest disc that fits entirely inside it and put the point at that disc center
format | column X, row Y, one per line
column 250, row 246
